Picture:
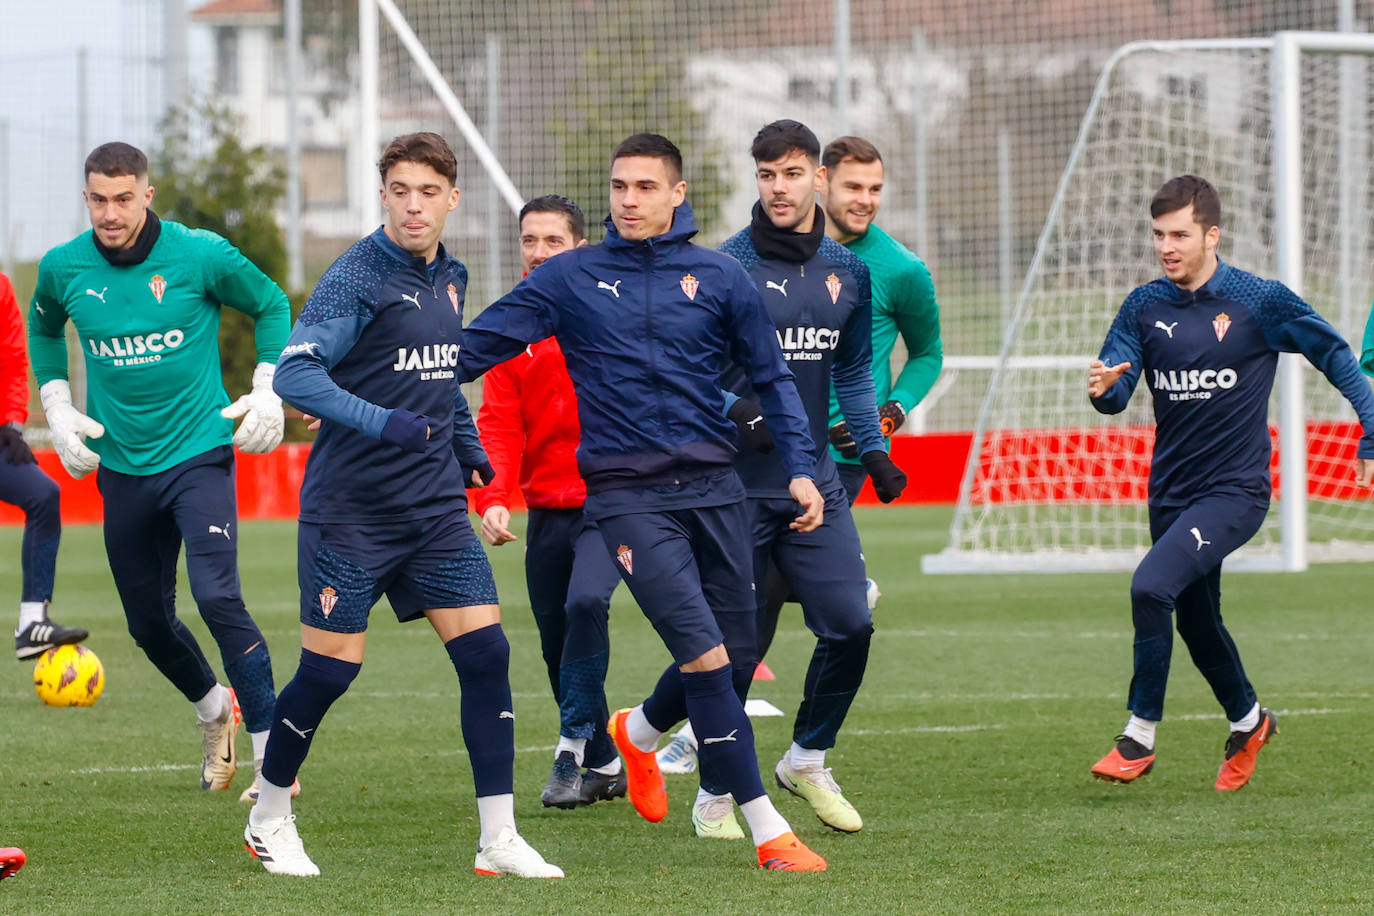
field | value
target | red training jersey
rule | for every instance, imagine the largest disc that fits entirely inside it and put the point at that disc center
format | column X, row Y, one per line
column 14, row 358
column 529, row 428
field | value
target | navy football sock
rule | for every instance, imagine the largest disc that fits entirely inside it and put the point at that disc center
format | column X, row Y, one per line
column 667, row 705
column 250, row 674
column 725, row 739
column 319, row 681
column 482, row 660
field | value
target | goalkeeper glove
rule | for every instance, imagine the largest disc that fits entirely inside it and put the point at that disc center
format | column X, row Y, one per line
column 12, row 445
column 262, row 425
column 70, row 427
column 888, row 479
column 753, row 428
column 843, row 440
column 891, row 416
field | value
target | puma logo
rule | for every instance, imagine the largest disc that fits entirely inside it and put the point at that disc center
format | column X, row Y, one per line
column 1198, row 534
column 506, row 714
column 291, row 725
column 216, row 529
column 414, row 300
column 613, row 287
column 729, row 737
column 100, row 295
column 1167, row 328
column 780, row 287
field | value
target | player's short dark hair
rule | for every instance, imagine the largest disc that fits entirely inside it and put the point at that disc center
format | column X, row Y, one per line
column 424, row 148
column 773, row 141
column 849, row 147
column 557, row 203
column 652, row 146
column 1179, row 192
column 115, row 159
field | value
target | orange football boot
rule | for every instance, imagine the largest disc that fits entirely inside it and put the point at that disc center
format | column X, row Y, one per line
column 787, row 853
column 648, row 793
column 1242, row 749
column 1127, row 761
column 11, row 860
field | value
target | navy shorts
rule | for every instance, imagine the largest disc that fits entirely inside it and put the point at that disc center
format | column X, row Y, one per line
column 420, row 565
column 691, row 571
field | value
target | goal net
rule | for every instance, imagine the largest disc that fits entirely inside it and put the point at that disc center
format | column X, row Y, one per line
column 1053, row 485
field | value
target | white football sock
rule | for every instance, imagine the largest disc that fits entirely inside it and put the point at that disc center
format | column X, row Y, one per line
column 1142, row 731
column 1249, row 722
column 273, row 801
column 211, row 705
column 765, row 823
column 641, row 734
column 611, row 769
column 31, row 612
column 494, row 812
column 259, row 740
column 803, row 758
column 578, row 747
column 703, row 796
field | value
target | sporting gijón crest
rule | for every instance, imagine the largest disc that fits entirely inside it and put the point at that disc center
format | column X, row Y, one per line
column 1221, row 324
column 833, row 286
column 159, row 286
column 453, row 297
column 328, row 598
column 689, row 286
column 626, row 557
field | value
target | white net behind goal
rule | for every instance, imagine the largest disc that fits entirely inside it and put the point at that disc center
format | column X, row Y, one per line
column 1052, row 484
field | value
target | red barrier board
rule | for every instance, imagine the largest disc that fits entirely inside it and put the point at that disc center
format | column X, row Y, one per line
column 1080, row 465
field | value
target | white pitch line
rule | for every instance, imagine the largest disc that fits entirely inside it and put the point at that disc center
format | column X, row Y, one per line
column 978, row 727
column 168, row 767
column 882, row 632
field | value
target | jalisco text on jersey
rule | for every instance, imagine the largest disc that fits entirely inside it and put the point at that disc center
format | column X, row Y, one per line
column 138, row 344
column 1193, row 379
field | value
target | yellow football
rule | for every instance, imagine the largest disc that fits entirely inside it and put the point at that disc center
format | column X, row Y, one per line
column 68, row 676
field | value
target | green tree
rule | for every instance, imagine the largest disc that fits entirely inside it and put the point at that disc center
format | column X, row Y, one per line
column 206, row 178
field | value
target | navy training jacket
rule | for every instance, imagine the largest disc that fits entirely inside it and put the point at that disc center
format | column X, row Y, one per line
column 647, row 327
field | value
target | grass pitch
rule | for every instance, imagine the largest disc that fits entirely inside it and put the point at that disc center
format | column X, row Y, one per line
column 986, row 702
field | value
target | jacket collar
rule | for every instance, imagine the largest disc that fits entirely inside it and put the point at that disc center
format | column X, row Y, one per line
column 396, row 252
column 1207, row 290
column 683, row 228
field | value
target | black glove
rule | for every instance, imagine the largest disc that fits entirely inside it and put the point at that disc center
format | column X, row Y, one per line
column 485, row 473
column 406, row 429
column 13, row 447
column 843, row 440
column 891, row 416
column 753, row 428
column 888, row 479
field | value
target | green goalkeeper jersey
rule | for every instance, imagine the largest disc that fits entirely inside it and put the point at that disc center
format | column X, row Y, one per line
column 150, row 336
column 903, row 304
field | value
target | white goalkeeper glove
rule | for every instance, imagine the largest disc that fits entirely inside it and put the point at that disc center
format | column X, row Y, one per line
column 69, row 428
column 262, row 425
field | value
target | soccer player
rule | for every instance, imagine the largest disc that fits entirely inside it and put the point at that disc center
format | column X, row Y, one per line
column 383, row 511
column 23, row 484
column 528, row 424
column 144, row 295
column 817, row 294
column 903, row 297
column 647, row 322
column 1206, row 336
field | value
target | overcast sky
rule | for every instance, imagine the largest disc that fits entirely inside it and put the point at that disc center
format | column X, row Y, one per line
column 39, row 105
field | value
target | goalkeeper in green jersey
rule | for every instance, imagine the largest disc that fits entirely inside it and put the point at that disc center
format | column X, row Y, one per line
column 144, row 295
column 903, row 297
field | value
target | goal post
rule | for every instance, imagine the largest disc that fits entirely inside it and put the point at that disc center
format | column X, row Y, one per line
column 1280, row 126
